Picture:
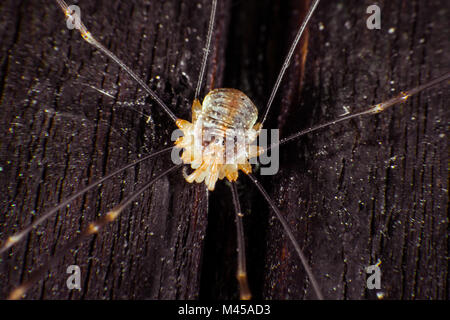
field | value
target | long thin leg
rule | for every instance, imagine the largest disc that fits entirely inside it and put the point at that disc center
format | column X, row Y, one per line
column 378, row 108
column 93, row 228
column 241, row 274
column 290, row 236
column 287, row 60
column 91, row 40
column 12, row 240
column 207, row 48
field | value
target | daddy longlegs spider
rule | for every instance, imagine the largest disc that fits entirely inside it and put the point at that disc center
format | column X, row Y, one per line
column 199, row 233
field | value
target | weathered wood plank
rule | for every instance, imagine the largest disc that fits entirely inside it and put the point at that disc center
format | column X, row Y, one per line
column 370, row 189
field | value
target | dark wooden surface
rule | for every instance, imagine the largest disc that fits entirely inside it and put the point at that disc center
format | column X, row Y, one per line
column 376, row 188
column 368, row 190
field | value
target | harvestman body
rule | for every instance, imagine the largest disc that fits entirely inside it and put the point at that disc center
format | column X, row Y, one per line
column 222, row 109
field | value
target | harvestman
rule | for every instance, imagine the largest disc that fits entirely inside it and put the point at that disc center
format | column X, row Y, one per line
column 209, row 169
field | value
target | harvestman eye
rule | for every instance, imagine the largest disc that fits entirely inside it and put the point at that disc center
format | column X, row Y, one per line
column 222, row 110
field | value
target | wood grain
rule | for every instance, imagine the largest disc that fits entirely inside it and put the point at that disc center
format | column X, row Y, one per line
column 368, row 190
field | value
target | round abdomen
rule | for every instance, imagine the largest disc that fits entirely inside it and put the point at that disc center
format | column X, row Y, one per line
column 228, row 109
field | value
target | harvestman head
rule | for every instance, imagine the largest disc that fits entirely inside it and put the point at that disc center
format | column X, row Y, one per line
column 224, row 112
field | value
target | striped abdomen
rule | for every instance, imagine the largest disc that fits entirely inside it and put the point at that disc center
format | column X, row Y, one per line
column 218, row 141
column 228, row 109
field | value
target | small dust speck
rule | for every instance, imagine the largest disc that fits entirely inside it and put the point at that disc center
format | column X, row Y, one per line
column 380, row 295
column 348, row 25
column 391, row 30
